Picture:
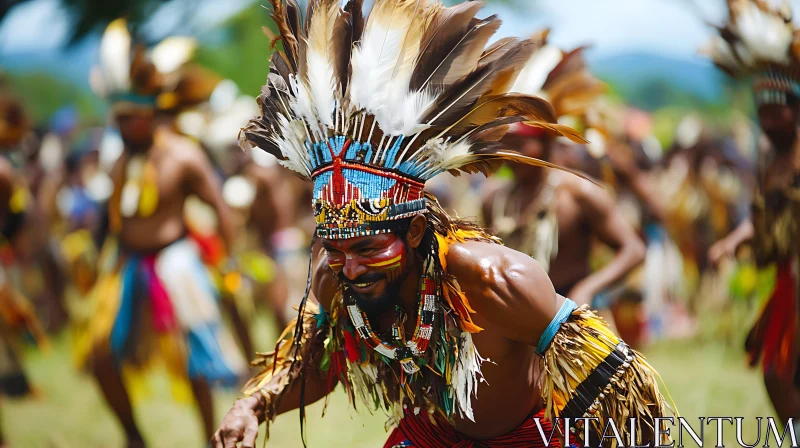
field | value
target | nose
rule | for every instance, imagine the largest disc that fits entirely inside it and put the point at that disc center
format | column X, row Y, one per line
column 353, row 268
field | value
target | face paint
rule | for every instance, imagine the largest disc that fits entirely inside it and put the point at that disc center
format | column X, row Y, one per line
column 391, row 261
column 384, row 253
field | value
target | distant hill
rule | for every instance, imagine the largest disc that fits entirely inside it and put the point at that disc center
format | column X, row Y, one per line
column 632, row 74
column 69, row 64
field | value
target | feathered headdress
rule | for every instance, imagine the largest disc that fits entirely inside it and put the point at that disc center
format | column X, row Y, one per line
column 562, row 78
column 371, row 108
column 760, row 40
column 128, row 73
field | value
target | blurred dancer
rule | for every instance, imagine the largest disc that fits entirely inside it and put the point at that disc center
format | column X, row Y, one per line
column 154, row 298
column 774, row 61
column 17, row 318
column 555, row 217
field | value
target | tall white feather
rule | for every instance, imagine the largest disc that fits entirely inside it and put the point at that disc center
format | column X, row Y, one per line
column 321, row 82
column 291, row 141
column 765, row 35
column 533, row 75
column 383, row 63
column 171, row 53
column 115, row 57
column 301, row 103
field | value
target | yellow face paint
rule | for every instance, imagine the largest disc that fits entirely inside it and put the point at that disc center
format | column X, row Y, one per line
column 380, row 264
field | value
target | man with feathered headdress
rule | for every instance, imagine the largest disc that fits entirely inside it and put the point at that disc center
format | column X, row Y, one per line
column 761, row 43
column 414, row 303
column 555, row 217
column 154, row 299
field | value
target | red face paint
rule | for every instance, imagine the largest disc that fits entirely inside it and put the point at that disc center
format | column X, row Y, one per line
column 369, row 254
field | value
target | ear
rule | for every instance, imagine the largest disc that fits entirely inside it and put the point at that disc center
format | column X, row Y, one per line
column 416, row 230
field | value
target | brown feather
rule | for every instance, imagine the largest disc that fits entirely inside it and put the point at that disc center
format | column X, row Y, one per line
column 571, row 62
column 463, row 58
column 448, row 26
column 517, row 55
column 287, row 34
column 341, row 46
column 459, row 98
column 494, row 155
column 488, row 109
column 355, row 9
column 496, row 50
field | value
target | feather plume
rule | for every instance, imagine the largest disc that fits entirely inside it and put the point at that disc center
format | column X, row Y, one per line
column 758, row 34
column 355, row 9
column 172, row 53
column 320, row 61
column 115, row 57
column 412, row 68
column 287, row 31
column 532, row 77
column 447, row 28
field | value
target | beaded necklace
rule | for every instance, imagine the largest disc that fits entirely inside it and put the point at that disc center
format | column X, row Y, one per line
column 403, row 351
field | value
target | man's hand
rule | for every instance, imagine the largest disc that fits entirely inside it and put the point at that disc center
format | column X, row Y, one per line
column 721, row 250
column 240, row 424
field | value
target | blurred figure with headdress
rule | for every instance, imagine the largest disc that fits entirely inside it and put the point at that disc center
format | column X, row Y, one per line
column 18, row 321
column 760, row 43
column 548, row 215
column 154, row 298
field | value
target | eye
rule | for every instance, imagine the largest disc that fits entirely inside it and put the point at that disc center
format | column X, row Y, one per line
column 367, row 251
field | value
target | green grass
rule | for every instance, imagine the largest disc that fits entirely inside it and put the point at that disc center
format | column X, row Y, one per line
column 704, row 377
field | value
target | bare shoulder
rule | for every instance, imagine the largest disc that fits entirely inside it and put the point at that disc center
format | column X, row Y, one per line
column 506, row 287
column 478, row 261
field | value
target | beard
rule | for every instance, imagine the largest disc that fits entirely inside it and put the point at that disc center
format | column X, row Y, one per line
column 374, row 305
column 782, row 140
column 380, row 305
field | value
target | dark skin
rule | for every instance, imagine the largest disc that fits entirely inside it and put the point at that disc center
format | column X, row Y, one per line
column 514, row 302
column 780, row 125
column 182, row 170
column 584, row 211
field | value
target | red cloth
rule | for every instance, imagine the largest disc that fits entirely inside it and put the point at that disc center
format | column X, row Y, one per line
column 773, row 335
column 418, row 431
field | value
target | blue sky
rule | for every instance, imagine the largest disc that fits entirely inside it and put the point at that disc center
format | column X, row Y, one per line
column 669, row 27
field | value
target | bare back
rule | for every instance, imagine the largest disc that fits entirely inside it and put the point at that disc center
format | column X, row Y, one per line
column 571, row 265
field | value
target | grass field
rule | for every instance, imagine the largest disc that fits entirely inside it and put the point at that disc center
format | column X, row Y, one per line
column 705, row 378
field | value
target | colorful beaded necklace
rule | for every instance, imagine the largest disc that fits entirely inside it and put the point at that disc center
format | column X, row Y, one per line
column 404, row 351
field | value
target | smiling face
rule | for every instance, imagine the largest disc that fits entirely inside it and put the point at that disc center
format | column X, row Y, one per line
column 373, row 267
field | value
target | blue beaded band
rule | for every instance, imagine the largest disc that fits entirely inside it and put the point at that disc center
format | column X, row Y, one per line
column 142, row 100
column 550, row 332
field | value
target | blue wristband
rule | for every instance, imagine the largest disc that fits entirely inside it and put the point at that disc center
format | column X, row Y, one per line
column 550, row 332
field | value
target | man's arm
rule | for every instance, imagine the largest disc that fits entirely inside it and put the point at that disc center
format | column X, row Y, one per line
column 241, row 423
column 206, row 185
column 608, row 224
column 510, row 291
